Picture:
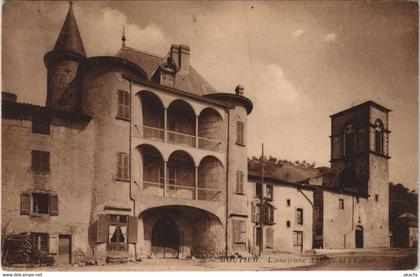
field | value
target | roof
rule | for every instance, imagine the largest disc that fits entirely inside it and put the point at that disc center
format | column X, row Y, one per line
column 191, row 81
column 282, row 171
column 15, row 110
column 367, row 103
column 69, row 39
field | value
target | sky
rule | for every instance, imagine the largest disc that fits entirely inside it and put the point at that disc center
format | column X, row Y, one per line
column 299, row 61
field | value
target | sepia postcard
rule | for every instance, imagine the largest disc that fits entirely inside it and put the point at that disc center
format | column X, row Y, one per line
column 209, row 136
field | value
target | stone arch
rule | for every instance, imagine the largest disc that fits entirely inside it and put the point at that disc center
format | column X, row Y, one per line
column 210, row 129
column 211, row 178
column 181, row 123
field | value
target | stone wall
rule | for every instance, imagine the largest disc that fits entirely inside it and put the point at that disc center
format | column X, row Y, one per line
column 70, row 178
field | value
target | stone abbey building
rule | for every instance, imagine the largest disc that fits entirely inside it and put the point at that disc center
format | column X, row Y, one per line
column 136, row 155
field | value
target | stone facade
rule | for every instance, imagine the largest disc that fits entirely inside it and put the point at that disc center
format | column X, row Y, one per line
column 352, row 200
column 132, row 165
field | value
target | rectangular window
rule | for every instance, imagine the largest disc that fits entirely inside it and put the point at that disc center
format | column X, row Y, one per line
column 376, row 197
column 299, row 216
column 240, row 133
column 269, row 191
column 288, row 202
column 239, row 182
column 40, row 161
column 123, row 166
column 40, row 203
column 239, row 231
column 258, row 190
column 297, row 238
column 40, row 241
column 123, row 105
column 341, row 204
column 41, row 124
column 288, row 224
column 269, row 215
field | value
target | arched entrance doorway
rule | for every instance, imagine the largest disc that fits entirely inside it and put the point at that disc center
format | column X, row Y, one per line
column 165, row 238
column 359, row 237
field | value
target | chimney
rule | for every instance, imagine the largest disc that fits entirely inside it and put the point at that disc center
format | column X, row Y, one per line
column 175, row 53
column 239, row 90
column 8, row 96
column 184, row 58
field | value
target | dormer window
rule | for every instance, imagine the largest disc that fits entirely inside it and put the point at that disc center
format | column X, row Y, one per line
column 379, row 137
column 349, row 141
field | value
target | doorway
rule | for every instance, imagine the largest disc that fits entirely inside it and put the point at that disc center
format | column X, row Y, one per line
column 165, row 238
column 359, row 237
column 64, row 249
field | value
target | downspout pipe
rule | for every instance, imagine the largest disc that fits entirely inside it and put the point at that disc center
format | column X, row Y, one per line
column 227, row 183
column 131, row 163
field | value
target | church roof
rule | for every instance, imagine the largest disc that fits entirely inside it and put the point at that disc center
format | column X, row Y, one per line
column 69, row 39
column 191, row 82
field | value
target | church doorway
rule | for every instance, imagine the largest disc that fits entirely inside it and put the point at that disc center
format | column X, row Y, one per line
column 359, row 237
column 165, row 238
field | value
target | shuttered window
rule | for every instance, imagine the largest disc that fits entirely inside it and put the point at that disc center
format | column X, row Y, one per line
column 40, row 161
column 40, row 241
column 122, row 166
column 269, row 215
column 116, row 229
column 255, row 212
column 297, row 238
column 123, row 105
column 269, row 233
column 38, row 203
column 239, row 231
column 25, row 203
column 299, row 216
column 240, row 133
column 239, row 182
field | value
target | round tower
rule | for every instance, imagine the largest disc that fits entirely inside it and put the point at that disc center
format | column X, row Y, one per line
column 63, row 62
column 237, row 160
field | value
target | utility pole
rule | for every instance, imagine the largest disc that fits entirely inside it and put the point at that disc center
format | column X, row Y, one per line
column 261, row 219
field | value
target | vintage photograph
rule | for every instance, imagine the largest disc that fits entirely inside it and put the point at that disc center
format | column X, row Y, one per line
column 209, row 136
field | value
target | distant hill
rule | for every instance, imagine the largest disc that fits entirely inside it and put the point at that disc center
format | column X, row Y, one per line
column 284, row 169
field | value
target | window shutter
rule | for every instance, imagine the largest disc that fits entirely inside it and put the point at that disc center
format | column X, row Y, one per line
column 241, row 182
column 35, row 161
column 53, row 204
column 119, row 165
column 132, row 229
column 120, row 103
column 25, row 203
column 242, row 231
column 253, row 213
column 125, row 166
column 127, row 104
column 236, row 231
column 102, row 229
column 53, row 249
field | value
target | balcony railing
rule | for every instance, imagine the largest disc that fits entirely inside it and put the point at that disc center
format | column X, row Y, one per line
column 209, row 144
column 153, row 133
column 181, row 138
column 153, row 188
column 181, row 191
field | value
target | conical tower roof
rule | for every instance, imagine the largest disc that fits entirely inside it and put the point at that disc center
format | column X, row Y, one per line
column 69, row 39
